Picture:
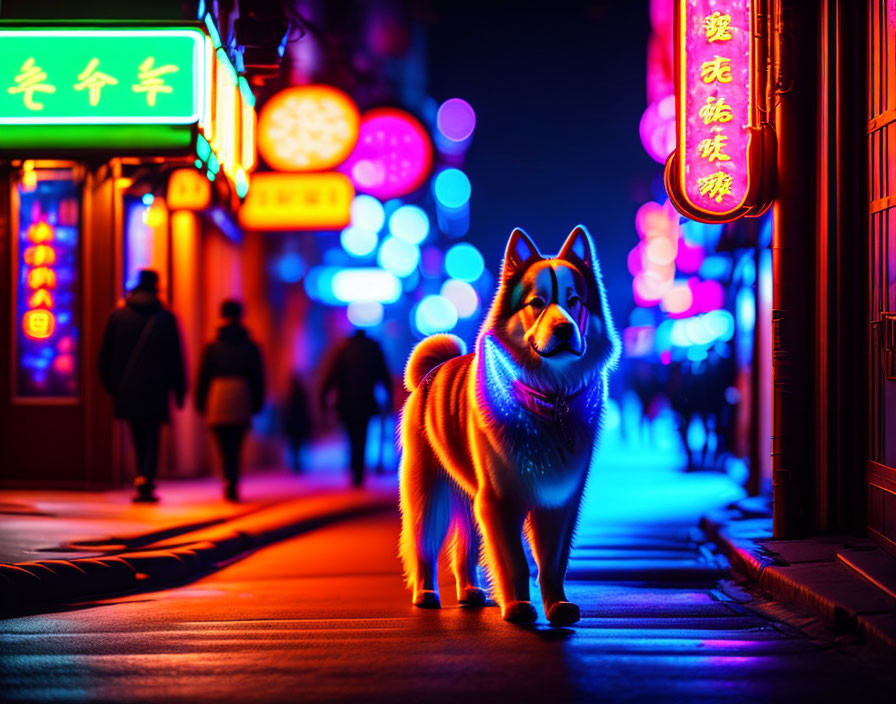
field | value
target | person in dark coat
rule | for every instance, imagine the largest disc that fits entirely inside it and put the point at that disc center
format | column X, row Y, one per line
column 296, row 421
column 230, row 390
column 353, row 371
column 141, row 364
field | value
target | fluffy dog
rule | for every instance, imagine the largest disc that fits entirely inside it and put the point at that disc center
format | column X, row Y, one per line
column 507, row 432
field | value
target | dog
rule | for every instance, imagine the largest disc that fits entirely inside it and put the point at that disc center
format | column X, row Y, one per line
column 497, row 443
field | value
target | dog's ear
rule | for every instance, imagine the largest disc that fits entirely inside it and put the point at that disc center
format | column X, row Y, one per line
column 520, row 249
column 578, row 248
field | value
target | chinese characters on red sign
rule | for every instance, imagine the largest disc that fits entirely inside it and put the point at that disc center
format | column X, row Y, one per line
column 713, row 174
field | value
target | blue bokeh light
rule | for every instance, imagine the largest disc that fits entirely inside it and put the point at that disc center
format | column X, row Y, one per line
column 358, row 241
column 364, row 314
column 368, row 213
column 434, row 314
column 398, row 256
column 451, row 188
column 409, row 223
column 463, row 261
column 290, row 267
column 462, row 295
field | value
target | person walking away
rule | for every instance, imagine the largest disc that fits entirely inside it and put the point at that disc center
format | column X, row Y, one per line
column 296, row 421
column 355, row 368
column 140, row 365
column 230, row 390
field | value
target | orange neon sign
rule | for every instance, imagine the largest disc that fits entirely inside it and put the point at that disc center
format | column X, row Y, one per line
column 721, row 167
column 38, row 324
column 308, row 128
column 40, row 255
column 41, row 277
column 41, row 298
column 40, row 232
column 279, row 201
column 188, row 190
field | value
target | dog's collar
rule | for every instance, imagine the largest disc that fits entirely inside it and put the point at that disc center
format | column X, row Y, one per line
column 553, row 407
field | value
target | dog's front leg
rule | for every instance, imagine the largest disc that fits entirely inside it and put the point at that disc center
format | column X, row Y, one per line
column 551, row 534
column 501, row 523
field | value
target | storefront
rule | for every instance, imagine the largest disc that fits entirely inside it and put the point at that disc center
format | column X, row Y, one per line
column 124, row 147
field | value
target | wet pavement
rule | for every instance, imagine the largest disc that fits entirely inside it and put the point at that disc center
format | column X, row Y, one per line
column 325, row 617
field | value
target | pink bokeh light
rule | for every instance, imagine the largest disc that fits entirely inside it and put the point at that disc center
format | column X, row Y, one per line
column 689, row 257
column 714, row 156
column 393, row 156
column 707, row 295
column 657, row 129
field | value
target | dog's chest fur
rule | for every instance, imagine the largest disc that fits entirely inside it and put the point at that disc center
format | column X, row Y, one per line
column 543, row 456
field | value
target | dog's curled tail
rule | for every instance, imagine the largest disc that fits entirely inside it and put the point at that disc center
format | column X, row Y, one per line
column 429, row 354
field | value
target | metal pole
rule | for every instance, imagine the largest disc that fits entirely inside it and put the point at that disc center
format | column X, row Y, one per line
column 792, row 263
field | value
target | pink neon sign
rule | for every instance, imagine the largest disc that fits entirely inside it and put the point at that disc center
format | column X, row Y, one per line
column 715, row 112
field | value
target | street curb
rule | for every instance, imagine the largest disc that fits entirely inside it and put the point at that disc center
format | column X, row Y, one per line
column 42, row 584
column 752, row 561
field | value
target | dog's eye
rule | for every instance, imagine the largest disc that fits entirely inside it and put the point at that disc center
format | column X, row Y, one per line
column 573, row 302
column 537, row 303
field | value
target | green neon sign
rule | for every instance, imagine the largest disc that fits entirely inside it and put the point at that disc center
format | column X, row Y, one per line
column 99, row 76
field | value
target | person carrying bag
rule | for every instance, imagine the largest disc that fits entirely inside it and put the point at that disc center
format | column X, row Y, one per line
column 230, row 390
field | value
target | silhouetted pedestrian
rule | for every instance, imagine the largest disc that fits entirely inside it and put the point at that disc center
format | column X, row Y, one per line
column 140, row 364
column 230, row 390
column 353, row 371
column 296, row 421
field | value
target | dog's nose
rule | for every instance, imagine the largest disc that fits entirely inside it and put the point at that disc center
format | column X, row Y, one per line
column 564, row 331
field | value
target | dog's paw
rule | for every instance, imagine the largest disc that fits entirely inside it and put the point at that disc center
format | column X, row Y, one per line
column 473, row 596
column 520, row 612
column 427, row 599
column 563, row 613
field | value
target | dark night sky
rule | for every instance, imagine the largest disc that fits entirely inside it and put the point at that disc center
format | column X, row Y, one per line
column 558, row 90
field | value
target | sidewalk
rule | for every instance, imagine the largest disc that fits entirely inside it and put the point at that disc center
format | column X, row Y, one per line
column 847, row 580
column 61, row 546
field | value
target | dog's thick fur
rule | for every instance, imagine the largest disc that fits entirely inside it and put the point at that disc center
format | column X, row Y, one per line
column 507, row 432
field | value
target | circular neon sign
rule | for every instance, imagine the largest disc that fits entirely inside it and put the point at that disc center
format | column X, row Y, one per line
column 307, row 128
column 393, row 156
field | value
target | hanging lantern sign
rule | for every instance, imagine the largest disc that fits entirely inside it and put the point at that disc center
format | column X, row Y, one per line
column 308, row 128
column 722, row 167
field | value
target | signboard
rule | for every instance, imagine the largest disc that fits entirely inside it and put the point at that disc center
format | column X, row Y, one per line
column 716, row 173
column 188, row 190
column 101, row 76
column 125, row 90
column 46, row 289
column 282, row 201
column 131, row 90
column 308, row 128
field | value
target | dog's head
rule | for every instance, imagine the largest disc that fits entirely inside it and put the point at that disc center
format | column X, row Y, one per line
column 551, row 313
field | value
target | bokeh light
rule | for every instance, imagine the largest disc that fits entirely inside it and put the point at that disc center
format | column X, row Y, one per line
column 393, row 156
column 707, row 295
column 364, row 314
column 657, row 128
column 678, row 301
column 456, row 119
column 307, row 128
column 367, row 284
column 398, row 256
column 451, row 188
column 409, row 223
column 434, row 314
column 367, row 213
column 462, row 295
column 358, row 241
column 689, row 257
column 290, row 267
column 432, row 259
column 463, row 261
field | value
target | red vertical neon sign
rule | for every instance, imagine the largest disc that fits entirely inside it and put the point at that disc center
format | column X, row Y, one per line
column 716, row 173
